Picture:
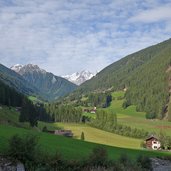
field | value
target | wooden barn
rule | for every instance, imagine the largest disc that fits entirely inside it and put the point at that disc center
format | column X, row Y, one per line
column 66, row 133
column 152, row 142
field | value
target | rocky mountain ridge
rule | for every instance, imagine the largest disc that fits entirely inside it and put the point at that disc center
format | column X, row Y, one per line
column 51, row 86
column 79, row 77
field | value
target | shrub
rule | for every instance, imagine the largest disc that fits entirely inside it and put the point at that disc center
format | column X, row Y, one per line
column 143, row 144
column 23, row 149
column 124, row 159
column 99, row 156
column 44, row 129
column 144, row 162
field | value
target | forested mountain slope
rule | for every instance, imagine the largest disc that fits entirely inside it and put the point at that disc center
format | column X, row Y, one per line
column 145, row 74
column 51, row 87
column 17, row 82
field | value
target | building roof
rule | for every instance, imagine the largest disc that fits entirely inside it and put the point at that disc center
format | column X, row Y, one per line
column 150, row 137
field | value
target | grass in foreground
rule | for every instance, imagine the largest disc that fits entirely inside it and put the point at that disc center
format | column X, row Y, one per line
column 69, row 148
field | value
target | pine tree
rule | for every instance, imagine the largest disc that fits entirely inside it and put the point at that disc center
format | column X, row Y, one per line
column 82, row 136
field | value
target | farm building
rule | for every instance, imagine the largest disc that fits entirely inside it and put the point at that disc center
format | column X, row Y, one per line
column 67, row 133
column 50, row 132
column 18, row 109
column 153, row 143
column 90, row 110
column 93, row 111
column 86, row 110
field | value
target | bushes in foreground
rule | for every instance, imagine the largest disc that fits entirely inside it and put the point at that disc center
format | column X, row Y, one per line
column 26, row 150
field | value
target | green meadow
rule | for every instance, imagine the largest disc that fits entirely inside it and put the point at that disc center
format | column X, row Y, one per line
column 74, row 147
column 101, row 137
column 10, row 116
column 35, row 99
column 68, row 147
column 134, row 119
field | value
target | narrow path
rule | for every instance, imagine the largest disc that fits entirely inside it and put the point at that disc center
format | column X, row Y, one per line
column 161, row 165
column 20, row 167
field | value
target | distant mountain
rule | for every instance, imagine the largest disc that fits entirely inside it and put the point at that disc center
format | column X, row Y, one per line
column 145, row 74
column 17, row 82
column 16, row 67
column 52, row 87
column 79, row 77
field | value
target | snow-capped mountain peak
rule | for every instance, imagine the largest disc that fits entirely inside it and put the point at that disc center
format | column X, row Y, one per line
column 27, row 68
column 16, row 67
column 79, row 77
column 50, row 86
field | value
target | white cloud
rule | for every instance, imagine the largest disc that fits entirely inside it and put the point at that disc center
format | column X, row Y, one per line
column 66, row 36
column 159, row 13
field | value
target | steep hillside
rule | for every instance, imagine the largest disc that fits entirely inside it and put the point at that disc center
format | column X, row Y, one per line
column 17, row 82
column 51, row 87
column 29, row 112
column 143, row 74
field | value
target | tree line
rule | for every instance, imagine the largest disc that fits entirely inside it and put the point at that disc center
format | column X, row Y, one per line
column 29, row 112
column 9, row 96
column 107, row 120
column 64, row 113
column 100, row 100
column 33, row 113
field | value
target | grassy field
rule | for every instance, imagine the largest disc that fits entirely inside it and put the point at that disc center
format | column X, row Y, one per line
column 8, row 114
column 68, row 147
column 11, row 116
column 91, row 134
column 35, row 99
column 99, row 136
column 131, row 117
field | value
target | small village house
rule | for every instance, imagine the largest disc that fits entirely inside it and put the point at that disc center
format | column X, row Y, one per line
column 86, row 110
column 90, row 110
column 153, row 143
column 93, row 110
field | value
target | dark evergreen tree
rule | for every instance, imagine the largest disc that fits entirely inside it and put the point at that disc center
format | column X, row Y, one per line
column 64, row 113
column 82, row 136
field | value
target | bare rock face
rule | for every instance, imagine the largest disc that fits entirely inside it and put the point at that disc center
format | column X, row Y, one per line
column 7, row 165
column 20, row 167
column 160, row 164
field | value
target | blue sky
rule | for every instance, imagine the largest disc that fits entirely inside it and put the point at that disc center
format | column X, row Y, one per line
column 65, row 36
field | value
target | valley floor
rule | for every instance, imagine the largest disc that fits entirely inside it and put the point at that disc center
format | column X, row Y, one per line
column 69, row 147
column 115, row 144
column 99, row 136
